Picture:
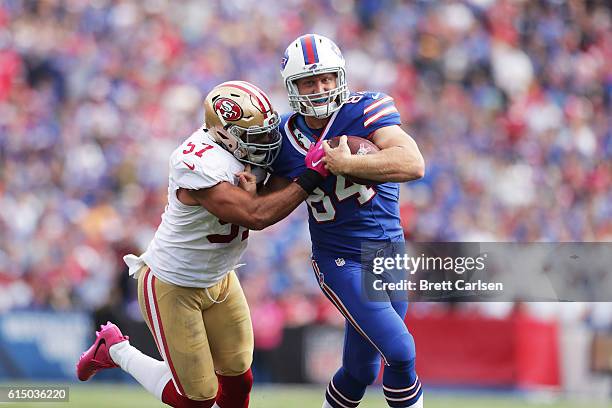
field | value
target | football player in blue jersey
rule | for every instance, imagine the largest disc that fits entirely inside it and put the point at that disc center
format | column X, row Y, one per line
column 344, row 216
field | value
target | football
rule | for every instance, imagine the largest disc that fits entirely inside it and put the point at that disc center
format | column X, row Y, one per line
column 359, row 146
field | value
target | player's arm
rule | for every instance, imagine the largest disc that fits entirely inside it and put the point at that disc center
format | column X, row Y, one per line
column 398, row 160
column 274, row 183
column 234, row 205
column 243, row 206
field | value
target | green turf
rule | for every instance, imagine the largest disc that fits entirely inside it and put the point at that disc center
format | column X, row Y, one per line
column 124, row 396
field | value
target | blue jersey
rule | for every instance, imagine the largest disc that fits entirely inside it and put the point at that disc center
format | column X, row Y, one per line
column 342, row 215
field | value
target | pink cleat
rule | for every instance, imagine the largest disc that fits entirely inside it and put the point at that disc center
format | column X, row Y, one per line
column 97, row 357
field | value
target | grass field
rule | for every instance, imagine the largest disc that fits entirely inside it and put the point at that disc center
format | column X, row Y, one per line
column 124, row 396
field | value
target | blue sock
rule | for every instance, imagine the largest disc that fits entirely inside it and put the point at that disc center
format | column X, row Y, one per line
column 344, row 390
column 401, row 385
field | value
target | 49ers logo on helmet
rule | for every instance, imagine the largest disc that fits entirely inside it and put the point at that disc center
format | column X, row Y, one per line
column 229, row 109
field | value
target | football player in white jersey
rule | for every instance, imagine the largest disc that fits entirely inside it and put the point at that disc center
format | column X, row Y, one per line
column 187, row 288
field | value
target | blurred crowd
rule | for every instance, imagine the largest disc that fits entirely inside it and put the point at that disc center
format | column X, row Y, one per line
column 509, row 101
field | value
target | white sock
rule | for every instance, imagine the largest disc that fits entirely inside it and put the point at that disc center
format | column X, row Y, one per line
column 152, row 374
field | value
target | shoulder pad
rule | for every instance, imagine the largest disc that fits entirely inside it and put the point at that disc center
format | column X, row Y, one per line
column 196, row 165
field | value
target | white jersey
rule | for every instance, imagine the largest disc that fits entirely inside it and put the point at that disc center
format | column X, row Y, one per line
column 192, row 247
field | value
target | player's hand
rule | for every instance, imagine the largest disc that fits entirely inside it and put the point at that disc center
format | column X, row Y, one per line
column 247, row 180
column 315, row 159
column 336, row 159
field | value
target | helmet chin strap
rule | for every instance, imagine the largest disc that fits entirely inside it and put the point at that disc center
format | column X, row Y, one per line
column 320, row 112
column 239, row 153
column 244, row 151
column 325, row 111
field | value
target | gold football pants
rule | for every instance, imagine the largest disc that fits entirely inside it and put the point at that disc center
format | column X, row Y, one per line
column 198, row 332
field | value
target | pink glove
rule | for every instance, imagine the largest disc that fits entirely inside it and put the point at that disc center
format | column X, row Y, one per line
column 314, row 158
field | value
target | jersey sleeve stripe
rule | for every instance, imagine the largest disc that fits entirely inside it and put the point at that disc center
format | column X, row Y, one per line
column 384, row 112
column 379, row 108
column 377, row 104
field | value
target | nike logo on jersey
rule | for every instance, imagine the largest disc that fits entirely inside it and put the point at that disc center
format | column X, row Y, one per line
column 191, row 166
column 376, row 95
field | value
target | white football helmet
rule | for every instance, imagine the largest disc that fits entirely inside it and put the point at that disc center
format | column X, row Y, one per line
column 309, row 55
column 243, row 121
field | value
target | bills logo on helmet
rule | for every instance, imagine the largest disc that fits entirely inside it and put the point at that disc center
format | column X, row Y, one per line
column 285, row 59
column 229, row 109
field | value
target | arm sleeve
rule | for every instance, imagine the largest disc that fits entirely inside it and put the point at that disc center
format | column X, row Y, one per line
column 379, row 111
column 196, row 175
